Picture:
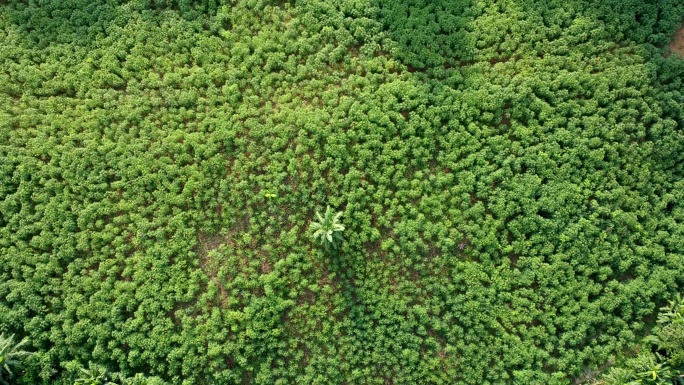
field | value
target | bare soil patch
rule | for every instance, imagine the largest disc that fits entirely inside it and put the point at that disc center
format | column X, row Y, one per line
column 677, row 44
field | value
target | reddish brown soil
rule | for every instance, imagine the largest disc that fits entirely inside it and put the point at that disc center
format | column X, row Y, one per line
column 677, row 44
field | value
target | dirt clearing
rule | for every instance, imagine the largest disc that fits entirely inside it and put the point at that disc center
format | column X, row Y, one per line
column 677, row 44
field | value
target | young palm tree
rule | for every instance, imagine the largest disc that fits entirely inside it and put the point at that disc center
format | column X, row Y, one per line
column 328, row 229
column 10, row 357
column 94, row 375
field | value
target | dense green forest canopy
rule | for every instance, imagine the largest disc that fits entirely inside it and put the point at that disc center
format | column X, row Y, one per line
column 510, row 175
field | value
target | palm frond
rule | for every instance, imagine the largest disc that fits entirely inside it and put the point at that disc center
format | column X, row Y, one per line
column 328, row 228
column 9, row 356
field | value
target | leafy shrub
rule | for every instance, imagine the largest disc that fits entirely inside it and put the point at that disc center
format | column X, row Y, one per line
column 97, row 375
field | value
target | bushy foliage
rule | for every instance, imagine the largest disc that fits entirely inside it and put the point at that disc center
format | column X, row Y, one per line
column 664, row 363
column 511, row 174
column 97, row 375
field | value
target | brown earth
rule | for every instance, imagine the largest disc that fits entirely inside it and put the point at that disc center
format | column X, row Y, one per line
column 677, row 44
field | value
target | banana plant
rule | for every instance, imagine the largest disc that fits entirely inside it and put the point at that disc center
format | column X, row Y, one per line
column 94, row 375
column 328, row 229
column 10, row 356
